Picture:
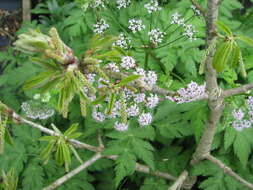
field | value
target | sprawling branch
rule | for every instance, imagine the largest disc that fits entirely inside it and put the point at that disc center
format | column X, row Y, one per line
column 229, row 171
column 66, row 177
column 179, row 182
column 78, row 144
column 234, row 91
column 199, row 7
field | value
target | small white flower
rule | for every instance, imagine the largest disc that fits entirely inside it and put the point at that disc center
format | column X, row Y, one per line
column 98, row 116
column 91, row 77
column 189, row 32
column 120, row 126
column 112, row 66
column 250, row 103
column 195, row 10
column 138, row 98
column 176, row 19
column 100, row 26
column 127, row 62
column 151, row 78
column 152, row 6
column 152, row 101
column 239, row 125
column 238, row 114
column 140, row 71
column 133, row 110
column 136, row 25
column 156, row 36
column 122, row 3
column 97, row 3
column 123, row 42
column 145, row 119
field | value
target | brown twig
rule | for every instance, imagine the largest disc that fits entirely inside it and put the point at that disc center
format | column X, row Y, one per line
column 235, row 91
column 179, row 181
column 69, row 175
column 78, row 144
column 227, row 170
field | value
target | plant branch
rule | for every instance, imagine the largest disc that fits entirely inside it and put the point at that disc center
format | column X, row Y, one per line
column 238, row 90
column 69, row 175
column 179, row 182
column 199, row 7
column 215, row 101
column 229, row 171
column 74, row 142
column 78, row 144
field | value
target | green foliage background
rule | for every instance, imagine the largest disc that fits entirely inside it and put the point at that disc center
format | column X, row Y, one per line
column 168, row 144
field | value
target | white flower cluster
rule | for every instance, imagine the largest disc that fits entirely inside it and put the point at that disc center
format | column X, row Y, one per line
column 152, row 6
column 156, row 36
column 133, row 110
column 123, row 42
column 112, row 66
column 100, row 26
column 145, row 119
column 195, row 10
column 127, row 62
column 122, row 3
column 141, row 102
column 239, row 123
column 188, row 28
column 91, row 77
column 136, row 25
column 120, row 126
column 97, row 3
column 191, row 93
column 36, row 110
column 240, row 118
column 149, row 77
column 176, row 19
column 136, row 104
column 189, row 32
column 97, row 115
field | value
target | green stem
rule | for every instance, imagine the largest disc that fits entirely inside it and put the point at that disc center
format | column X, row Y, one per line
column 170, row 42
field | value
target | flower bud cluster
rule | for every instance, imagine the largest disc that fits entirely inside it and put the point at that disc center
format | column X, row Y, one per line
column 192, row 92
